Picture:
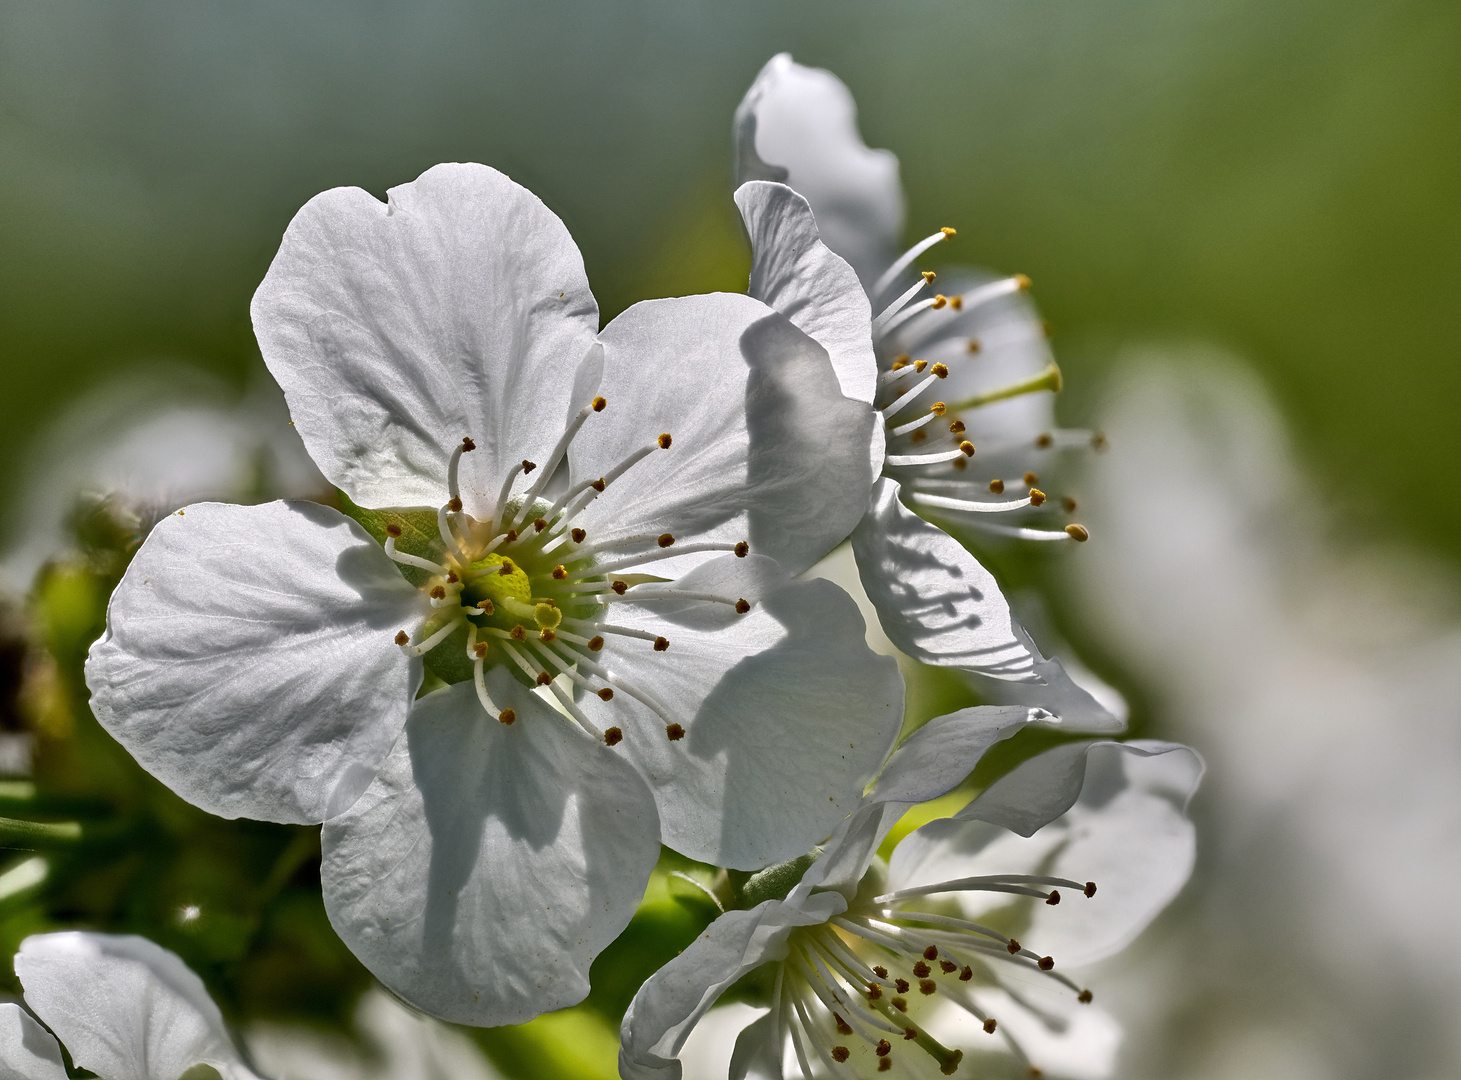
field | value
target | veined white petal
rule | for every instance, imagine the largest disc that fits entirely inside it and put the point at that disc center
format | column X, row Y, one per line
column 27, row 1050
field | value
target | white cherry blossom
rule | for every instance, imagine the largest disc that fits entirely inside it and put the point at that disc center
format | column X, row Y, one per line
column 823, row 212
column 948, row 951
column 579, row 530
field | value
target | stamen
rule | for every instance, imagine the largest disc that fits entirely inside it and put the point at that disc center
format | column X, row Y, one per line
column 614, row 680
column 988, row 883
column 895, row 406
column 505, row 492
column 557, row 691
column 652, row 556
column 421, row 648
column 914, row 425
column 904, row 261
column 896, row 320
column 966, row 449
column 412, row 560
column 466, row 446
column 945, row 503
column 555, row 457
column 898, row 305
column 443, row 526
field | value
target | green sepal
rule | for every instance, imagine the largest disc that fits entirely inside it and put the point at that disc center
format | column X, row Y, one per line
column 419, row 535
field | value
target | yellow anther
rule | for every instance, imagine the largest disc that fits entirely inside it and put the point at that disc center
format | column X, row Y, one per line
column 547, row 634
column 479, row 650
column 956, row 426
column 1022, row 282
column 956, row 302
column 1078, row 533
column 928, row 276
column 664, row 441
column 997, row 486
column 967, row 447
column 1037, row 497
column 974, row 345
column 948, row 231
column 937, row 408
column 919, row 365
column 560, row 572
column 939, row 301
column 599, row 404
column 507, row 716
column 1031, row 479
column 941, row 370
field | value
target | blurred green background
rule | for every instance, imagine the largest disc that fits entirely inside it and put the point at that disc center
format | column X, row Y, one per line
column 1283, row 179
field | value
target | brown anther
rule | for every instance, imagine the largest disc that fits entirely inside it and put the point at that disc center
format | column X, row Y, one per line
column 885, row 1064
column 990, row 1025
column 956, row 427
column 938, row 408
column 880, row 971
column 606, row 694
column 997, row 486
column 909, row 1034
column 506, row 716
column 1053, row 898
column 578, row 535
column 1045, row 963
column 547, row 634
column 919, row 435
column 468, row 445
column 438, row 593
column 931, row 953
column 614, row 736
column 1013, row 946
column 948, row 966
column 599, row 484
column 1031, row 479
column 928, row 276
column 940, row 370
column 506, row 568
column 665, row 539
column 884, row 1048
column 393, row 531
column 901, row 1004
column 919, row 365
column 661, row 644
column 840, row 1054
column 595, row 643
column 560, row 572
column 927, row 986
column 451, row 577
column 599, row 403
column 939, row 301
column 485, row 607
column 902, row 985
column 874, row 991
column 1090, row 888
column 1085, row 997
column 1037, row 497
column 843, row 1027
column 742, row 607
column 974, row 345
column 1079, row 533
column 1043, row 440
column 1098, row 441
column 619, row 587
column 517, row 633
column 675, row 732
column 967, row 447
column 510, row 537
column 742, row 549
column 956, row 302
column 1067, row 504
column 949, row 232
column 455, row 506
column 966, row 974
column 539, row 524
column 664, row 441
column 402, row 638
column 921, row 970
column 1021, row 281
column 544, row 678
column 528, row 466
column 479, row 650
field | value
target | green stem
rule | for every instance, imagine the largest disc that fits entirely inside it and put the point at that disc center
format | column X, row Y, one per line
column 1049, row 379
column 15, row 833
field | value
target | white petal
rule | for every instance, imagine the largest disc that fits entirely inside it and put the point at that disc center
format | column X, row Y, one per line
column 674, row 998
column 934, row 599
column 124, row 1007
column 27, row 1050
column 1076, row 709
column 460, row 308
column 489, row 864
column 765, row 446
column 757, row 1051
column 1120, row 820
column 798, row 275
column 248, row 660
column 787, row 713
column 799, row 125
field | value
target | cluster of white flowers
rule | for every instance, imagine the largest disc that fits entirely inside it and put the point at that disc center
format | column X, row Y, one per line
column 553, row 620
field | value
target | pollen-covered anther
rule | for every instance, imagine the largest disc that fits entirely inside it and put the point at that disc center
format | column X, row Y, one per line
column 880, row 971
column 901, row 362
column 843, row 1027
column 454, row 505
column 506, row 568
column 1043, row 440
column 479, row 650
column 1046, row 963
column 938, row 408
column 921, row 970
column 451, row 577
column 742, row 607
column 438, row 592
column 1031, row 479
column 1053, row 898
column 956, row 427
column 928, row 276
column 664, row 441
column 939, row 301
column 620, row 587
column 560, row 572
column 599, row 484
column 544, row 678
column 1013, row 946
column 909, row 1034
column 1022, row 282
column 599, row 404
column 927, row 986
column 884, row 1048
column 940, row 370
column 1090, row 888
column 948, row 966
column 528, row 466
column 997, row 487
column 840, row 1054
column 660, row 644
column 510, row 537
column 403, row 638
column 1079, row 533
column 614, row 736
column 486, row 607
column 1085, row 997
column 742, row 549
column 665, row 539
column 874, row 991
column 506, row 716
column 919, row 365
column 948, row 231
column 606, row 694
column 517, row 633
column 931, row 953
column 675, row 732
column 595, row 643
column 902, row 985
column 547, row 634
column 393, row 531
column 966, row 974
column 967, row 448
column 578, row 535
column 956, row 302
column 539, row 524
column 467, row 444
column 1037, row 497
column 990, row 1025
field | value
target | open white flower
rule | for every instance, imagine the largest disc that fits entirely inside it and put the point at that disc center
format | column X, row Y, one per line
column 557, row 514
column 981, row 350
column 124, row 1007
column 906, row 969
